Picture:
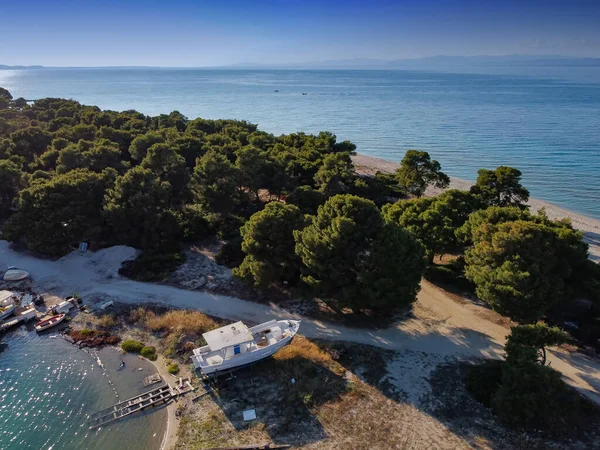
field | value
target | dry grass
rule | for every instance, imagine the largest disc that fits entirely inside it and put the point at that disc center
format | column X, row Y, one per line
column 106, row 322
column 183, row 321
column 320, row 411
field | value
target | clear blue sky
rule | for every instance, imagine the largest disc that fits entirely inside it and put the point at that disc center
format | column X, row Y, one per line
column 216, row 32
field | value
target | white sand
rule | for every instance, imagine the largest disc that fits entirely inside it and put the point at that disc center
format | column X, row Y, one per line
column 369, row 165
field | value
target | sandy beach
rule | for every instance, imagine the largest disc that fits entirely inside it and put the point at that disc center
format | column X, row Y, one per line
column 369, row 165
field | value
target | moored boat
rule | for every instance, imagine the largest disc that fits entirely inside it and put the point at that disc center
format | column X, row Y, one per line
column 236, row 345
column 50, row 322
column 7, row 310
column 14, row 274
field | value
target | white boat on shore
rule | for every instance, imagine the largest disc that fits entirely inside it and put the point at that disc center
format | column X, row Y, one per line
column 50, row 322
column 236, row 345
column 14, row 274
column 7, row 310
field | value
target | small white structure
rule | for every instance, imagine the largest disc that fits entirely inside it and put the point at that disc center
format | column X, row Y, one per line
column 236, row 345
column 63, row 307
column 108, row 304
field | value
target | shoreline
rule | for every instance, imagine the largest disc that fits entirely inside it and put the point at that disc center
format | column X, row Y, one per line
column 170, row 438
column 369, row 165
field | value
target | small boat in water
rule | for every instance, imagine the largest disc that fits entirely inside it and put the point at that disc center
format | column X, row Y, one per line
column 14, row 274
column 236, row 345
column 50, row 322
column 7, row 310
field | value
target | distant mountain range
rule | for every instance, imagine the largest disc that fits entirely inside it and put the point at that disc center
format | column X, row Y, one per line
column 433, row 62
column 438, row 62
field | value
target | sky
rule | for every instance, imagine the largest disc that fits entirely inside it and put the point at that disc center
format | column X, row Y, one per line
column 195, row 33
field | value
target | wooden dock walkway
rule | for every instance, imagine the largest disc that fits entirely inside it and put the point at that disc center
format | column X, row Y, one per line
column 162, row 394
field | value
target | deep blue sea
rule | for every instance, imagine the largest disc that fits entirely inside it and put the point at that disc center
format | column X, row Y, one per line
column 543, row 120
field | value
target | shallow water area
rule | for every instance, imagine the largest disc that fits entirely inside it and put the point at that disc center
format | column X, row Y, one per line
column 48, row 387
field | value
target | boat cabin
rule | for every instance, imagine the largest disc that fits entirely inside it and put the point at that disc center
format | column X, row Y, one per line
column 237, row 341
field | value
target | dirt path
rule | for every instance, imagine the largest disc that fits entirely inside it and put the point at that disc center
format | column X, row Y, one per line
column 441, row 325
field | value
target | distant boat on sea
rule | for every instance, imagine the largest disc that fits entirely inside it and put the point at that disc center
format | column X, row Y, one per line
column 236, row 345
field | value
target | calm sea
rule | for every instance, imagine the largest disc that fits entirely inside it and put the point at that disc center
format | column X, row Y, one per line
column 543, row 120
column 48, row 387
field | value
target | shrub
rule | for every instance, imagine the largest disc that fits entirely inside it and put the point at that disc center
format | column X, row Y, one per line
column 86, row 332
column 483, row 381
column 173, row 368
column 106, row 321
column 231, row 254
column 534, row 396
column 132, row 346
column 149, row 353
column 152, row 265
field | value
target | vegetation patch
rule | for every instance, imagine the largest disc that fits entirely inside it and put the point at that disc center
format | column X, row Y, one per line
column 173, row 368
column 152, row 265
column 131, row 346
column 149, row 353
column 93, row 338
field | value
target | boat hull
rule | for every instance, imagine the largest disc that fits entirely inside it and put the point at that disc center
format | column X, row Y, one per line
column 48, row 323
column 15, row 275
column 7, row 312
column 220, row 370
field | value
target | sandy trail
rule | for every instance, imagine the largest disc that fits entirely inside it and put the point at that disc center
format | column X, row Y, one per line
column 443, row 326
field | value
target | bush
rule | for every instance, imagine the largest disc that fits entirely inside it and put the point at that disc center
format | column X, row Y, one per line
column 131, row 346
column 152, row 265
column 173, row 368
column 149, row 353
column 483, row 381
column 192, row 222
column 534, row 396
column 86, row 332
column 106, row 321
column 231, row 254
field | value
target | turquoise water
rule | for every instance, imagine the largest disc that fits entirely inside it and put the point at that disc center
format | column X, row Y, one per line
column 543, row 120
column 48, row 387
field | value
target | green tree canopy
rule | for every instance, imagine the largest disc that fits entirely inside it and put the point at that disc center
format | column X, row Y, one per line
column 433, row 221
column 526, row 344
column 30, row 142
column 344, row 250
column 306, row 198
column 520, row 269
column 418, row 170
column 140, row 145
column 5, row 94
column 168, row 165
column 500, row 187
column 135, row 208
column 57, row 213
column 268, row 243
column 216, row 182
column 336, row 174
column 11, row 181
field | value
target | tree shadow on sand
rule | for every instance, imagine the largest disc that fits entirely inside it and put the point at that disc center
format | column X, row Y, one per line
column 285, row 392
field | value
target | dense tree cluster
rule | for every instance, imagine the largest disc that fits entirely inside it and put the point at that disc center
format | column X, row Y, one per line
column 292, row 207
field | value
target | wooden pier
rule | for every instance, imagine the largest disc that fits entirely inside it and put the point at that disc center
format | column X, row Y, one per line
column 162, row 394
